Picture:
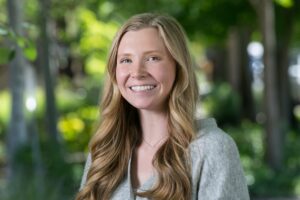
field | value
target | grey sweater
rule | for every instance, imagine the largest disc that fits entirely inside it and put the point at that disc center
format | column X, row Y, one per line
column 216, row 170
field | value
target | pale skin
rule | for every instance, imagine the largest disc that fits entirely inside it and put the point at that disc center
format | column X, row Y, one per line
column 145, row 75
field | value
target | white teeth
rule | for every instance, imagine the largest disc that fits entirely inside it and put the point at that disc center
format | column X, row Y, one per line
column 142, row 87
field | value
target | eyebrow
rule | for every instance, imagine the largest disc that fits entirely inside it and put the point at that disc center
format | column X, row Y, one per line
column 146, row 52
column 124, row 54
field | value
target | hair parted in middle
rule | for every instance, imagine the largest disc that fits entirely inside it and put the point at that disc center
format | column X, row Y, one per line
column 119, row 130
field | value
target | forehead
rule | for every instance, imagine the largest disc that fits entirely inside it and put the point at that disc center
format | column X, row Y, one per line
column 142, row 39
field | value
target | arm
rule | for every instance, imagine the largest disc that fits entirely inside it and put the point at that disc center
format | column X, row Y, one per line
column 222, row 177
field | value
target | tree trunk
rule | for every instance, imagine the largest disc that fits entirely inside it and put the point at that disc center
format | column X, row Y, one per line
column 239, row 76
column 246, row 80
column 44, row 61
column 216, row 55
column 283, row 44
column 274, row 150
column 284, row 94
column 17, row 135
column 38, row 170
column 234, row 62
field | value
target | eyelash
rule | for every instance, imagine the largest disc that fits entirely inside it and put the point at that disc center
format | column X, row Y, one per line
column 151, row 58
column 125, row 60
column 154, row 58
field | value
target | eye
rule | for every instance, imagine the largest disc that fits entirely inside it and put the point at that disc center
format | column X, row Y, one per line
column 125, row 60
column 153, row 58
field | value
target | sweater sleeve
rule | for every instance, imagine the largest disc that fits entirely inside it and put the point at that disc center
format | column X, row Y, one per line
column 85, row 171
column 222, row 176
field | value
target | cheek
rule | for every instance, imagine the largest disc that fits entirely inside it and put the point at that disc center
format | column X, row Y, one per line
column 167, row 76
column 170, row 79
column 172, row 73
column 120, row 76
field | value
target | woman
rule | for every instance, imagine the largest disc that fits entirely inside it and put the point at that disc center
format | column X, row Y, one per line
column 148, row 145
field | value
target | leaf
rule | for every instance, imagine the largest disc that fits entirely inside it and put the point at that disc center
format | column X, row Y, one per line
column 95, row 65
column 30, row 51
column 21, row 42
column 6, row 55
column 285, row 3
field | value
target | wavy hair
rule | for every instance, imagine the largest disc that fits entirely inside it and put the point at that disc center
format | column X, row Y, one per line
column 118, row 132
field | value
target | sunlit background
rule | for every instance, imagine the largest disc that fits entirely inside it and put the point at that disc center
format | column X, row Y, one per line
column 52, row 68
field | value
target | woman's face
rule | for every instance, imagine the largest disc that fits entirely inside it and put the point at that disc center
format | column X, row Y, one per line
column 145, row 70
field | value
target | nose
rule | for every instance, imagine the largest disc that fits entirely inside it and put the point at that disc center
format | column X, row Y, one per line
column 138, row 70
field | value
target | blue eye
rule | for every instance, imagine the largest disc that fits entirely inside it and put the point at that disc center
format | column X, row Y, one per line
column 125, row 60
column 153, row 58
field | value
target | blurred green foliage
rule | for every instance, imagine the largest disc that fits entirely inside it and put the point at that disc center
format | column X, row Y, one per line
column 223, row 104
column 56, row 180
column 63, row 165
column 5, row 107
column 285, row 3
column 95, row 41
column 62, row 168
column 87, row 28
column 7, row 49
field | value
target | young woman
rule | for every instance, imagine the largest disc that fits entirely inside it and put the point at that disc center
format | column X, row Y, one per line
column 148, row 144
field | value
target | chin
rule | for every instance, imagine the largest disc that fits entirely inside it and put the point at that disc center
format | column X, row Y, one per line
column 148, row 107
column 142, row 106
column 146, row 103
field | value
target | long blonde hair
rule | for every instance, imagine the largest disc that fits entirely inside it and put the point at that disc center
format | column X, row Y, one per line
column 118, row 132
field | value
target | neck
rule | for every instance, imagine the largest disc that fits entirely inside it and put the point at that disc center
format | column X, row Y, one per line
column 154, row 126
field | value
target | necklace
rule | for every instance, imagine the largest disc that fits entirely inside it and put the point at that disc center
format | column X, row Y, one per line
column 155, row 144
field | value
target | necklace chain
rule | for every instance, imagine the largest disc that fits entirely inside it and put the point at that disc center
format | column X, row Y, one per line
column 155, row 144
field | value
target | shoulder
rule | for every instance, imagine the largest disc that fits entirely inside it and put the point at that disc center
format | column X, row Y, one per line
column 214, row 148
column 213, row 141
column 216, row 168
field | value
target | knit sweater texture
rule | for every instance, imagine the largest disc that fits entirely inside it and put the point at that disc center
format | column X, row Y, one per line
column 215, row 168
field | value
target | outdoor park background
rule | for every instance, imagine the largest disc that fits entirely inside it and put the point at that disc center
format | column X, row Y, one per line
column 52, row 64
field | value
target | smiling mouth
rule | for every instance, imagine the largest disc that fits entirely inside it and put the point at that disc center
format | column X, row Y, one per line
column 139, row 88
